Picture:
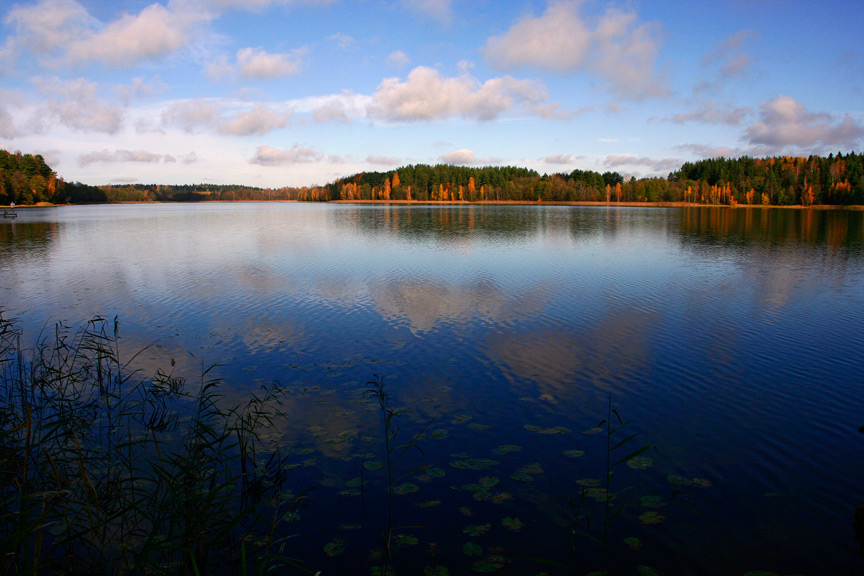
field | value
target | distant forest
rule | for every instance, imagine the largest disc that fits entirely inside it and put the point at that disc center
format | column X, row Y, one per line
column 778, row 181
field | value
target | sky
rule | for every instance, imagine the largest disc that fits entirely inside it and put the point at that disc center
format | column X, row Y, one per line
column 276, row 93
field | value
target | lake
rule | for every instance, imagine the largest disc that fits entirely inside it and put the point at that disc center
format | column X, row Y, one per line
column 732, row 339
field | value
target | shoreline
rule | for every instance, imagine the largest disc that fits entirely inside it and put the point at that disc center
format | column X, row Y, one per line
column 853, row 207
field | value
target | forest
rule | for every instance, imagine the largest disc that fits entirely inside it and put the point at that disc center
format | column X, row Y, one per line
column 776, row 181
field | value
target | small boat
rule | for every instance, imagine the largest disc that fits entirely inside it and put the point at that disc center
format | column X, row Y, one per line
column 10, row 213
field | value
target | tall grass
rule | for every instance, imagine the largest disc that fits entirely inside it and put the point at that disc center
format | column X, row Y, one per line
column 103, row 471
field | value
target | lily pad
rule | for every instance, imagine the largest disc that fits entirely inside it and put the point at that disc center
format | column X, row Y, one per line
column 473, row 463
column 555, row 430
column 429, row 504
column 436, row 472
column 507, row 448
column 574, row 453
column 647, row 571
column 652, row 501
column 373, row 464
column 461, row 418
column 334, row 548
column 513, row 524
column 651, row 517
column 533, row 468
column 633, row 543
column 406, row 540
column 436, row 571
column 476, row 426
column 701, row 482
column 486, row 566
column 592, row 431
column 522, row 477
column 438, row 434
column 588, row 482
column 477, row 529
column 406, row 488
column 532, row 427
column 488, row 481
column 640, row 462
column 471, row 549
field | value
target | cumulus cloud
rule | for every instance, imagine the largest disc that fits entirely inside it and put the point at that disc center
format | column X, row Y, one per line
column 256, row 5
column 260, row 120
column 382, row 160
column 617, row 47
column 257, row 63
column 398, row 59
column 562, row 159
column 730, row 56
column 465, row 158
column 107, row 157
column 191, row 115
column 7, row 125
column 344, row 41
column 47, row 25
column 269, row 156
column 704, row 151
column 714, row 113
column 426, row 95
column 74, row 103
column 437, row 9
column 662, row 165
column 785, row 122
column 153, row 33
column 333, row 110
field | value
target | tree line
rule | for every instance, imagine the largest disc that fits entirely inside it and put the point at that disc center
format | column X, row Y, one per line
column 778, row 181
column 783, row 180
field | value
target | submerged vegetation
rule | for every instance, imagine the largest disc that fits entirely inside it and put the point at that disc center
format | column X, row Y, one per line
column 777, row 181
column 107, row 473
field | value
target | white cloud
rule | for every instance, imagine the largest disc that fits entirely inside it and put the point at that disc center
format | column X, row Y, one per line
column 62, row 32
column 662, row 165
column 619, row 48
column 154, row 33
column 785, row 122
column 47, row 25
column 562, row 159
column 344, row 41
column 269, row 156
column 729, row 55
column 257, row 63
column 75, row 104
column 191, row 115
column 140, row 156
column 260, row 120
column 257, row 5
column 437, row 9
column 383, row 160
column 711, row 152
column 7, row 125
column 714, row 113
column 426, row 95
column 398, row 59
column 333, row 110
column 460, row 158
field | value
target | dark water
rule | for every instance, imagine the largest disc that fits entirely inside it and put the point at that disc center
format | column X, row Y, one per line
column 733, row 340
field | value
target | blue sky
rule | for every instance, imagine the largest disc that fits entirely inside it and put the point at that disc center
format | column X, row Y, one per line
column 301, row 92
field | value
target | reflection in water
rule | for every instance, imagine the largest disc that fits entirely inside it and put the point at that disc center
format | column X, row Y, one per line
column 719, row 331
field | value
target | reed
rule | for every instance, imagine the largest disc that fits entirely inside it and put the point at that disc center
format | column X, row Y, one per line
column 103, row 471
column 613, row 506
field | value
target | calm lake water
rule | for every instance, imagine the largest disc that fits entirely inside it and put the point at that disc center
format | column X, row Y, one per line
column 733, row 340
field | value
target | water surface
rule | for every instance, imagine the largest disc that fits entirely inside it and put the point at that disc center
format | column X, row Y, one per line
column 731, row 338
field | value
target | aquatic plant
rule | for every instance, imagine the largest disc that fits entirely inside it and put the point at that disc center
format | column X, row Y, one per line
column 377, row 390
column 103, row 471
column 602, row 491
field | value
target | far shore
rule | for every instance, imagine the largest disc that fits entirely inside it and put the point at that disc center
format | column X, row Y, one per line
column 484, row 203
